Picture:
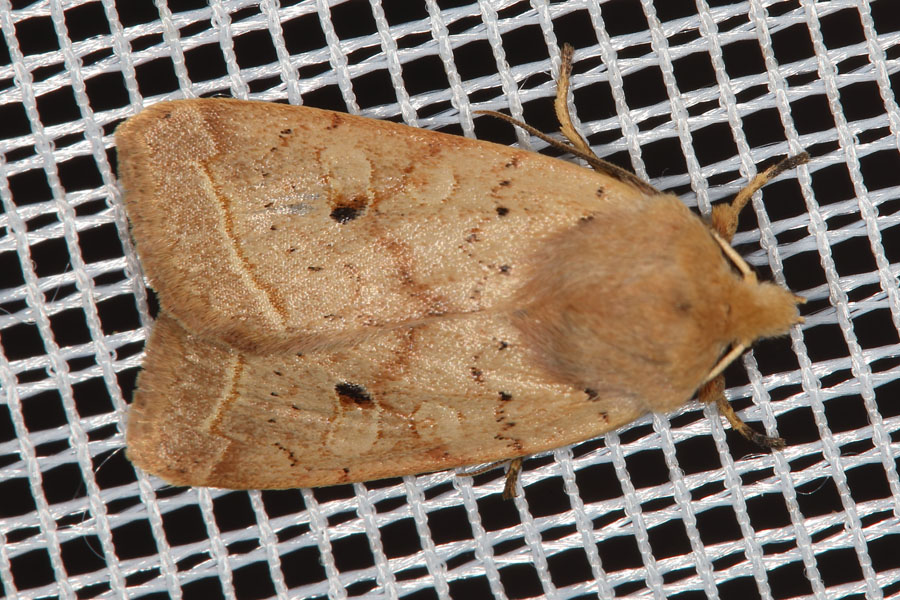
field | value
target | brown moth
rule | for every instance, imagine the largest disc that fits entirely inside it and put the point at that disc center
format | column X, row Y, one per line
column 345, row 299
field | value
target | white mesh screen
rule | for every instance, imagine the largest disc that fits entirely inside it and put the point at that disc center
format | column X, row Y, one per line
column 693, row 95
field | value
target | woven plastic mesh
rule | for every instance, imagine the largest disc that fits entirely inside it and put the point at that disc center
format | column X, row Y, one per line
column 693, row 95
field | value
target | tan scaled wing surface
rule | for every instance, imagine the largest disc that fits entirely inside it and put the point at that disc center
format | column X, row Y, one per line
column 274, row 227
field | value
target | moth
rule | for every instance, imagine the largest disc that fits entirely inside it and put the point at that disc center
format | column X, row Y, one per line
column 345, row 299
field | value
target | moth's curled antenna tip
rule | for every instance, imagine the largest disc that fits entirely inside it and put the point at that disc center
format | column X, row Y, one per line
column 768, row 442
column 799, row 159
column 791, row 162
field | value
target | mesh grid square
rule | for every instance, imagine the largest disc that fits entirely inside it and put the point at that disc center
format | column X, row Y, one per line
column 692, row 95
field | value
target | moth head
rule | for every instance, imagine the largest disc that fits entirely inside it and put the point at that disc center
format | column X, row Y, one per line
column 756, row 309
column 762, row 310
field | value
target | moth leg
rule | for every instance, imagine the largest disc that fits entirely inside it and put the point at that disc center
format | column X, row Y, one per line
column 714, row 391
column 481, row 470
column 726, row 360
column 577, row 146
column 512, row 478
column 724, row 217
column 561, row 104
column 512, row 475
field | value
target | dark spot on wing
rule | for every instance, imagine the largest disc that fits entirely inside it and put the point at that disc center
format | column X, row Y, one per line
column 336, row 120
column 504, row 397
column 345, row 213
column 502, row 211
column 591, row 393
column 351, row 394
column 345, row 209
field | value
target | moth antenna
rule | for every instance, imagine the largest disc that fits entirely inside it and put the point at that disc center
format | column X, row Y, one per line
column 724, row 217
column 598, row 164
